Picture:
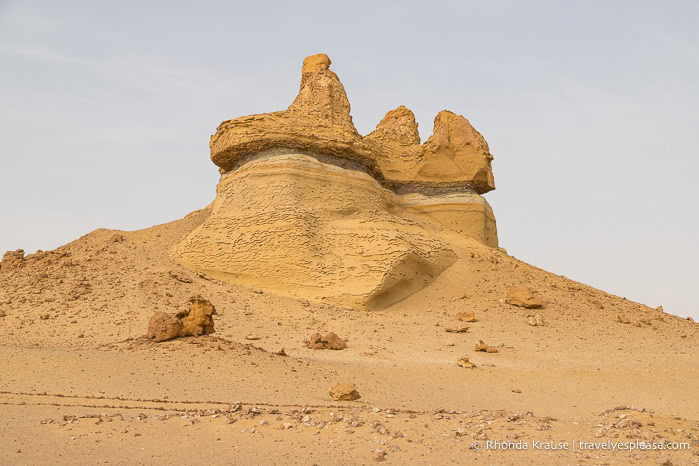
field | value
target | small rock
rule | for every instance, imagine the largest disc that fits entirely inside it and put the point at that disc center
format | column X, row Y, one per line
column 253, row 337
column 44, row 317
column 461, row 329
column 329, row 341
column 379, row 455
column 535, row 320
column 333, row 342
column 465, row 363
column 485, row 348
column 179, row 276
column 467, row 316
column 198, row 320
column 314, row 341
column 623, row 319
column 117, row 238
column 344, row 392
column 524, row 297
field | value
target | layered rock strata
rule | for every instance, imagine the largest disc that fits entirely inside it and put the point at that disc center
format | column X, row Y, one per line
column 308, row 207
column 455, row 156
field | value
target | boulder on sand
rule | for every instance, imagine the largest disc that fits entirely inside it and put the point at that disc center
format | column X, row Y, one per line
column 163, row 326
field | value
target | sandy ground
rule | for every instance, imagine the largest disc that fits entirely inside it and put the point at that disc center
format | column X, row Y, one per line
column 81, row 384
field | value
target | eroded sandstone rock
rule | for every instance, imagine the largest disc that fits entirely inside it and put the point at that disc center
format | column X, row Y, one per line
column 465, row 363
column 163, row 326
column 314, row 341
column 459, row 329
column 329, row 341
column 293, row 225
column 535, row 320
column 344, row 392
column 467, row 316
column 524, row 297
column 12, row 259
column 307, row 207
column 319, row 121
column 481, row 346
column 198, row 320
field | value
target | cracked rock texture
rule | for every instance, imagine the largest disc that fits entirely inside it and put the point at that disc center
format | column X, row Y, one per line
column 298, row 227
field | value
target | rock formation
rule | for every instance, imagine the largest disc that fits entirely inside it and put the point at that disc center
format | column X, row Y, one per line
column 163, row 326
column 196, row 321
column 524, row 297
column 344, row 392
column 308, row 207
column 12, row 259
column 329, row 341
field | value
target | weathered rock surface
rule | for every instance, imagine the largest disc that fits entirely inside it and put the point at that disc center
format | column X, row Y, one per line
column 163, row 326
column 459, row 329
column 466, row 213
column 524, row 297
column 465, row 363
column 12, row 259
column 481, row 346
column 198, row 320
column 307, row 207
column 329, row 341
column 319, row 121
column 293, row 225
column 344, row 392
column 535, row 320
column 467, row 316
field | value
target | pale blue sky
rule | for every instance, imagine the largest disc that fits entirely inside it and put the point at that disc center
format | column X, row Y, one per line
column 590, row 108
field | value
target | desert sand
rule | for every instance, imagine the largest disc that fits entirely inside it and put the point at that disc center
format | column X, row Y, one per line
column 368, row 239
